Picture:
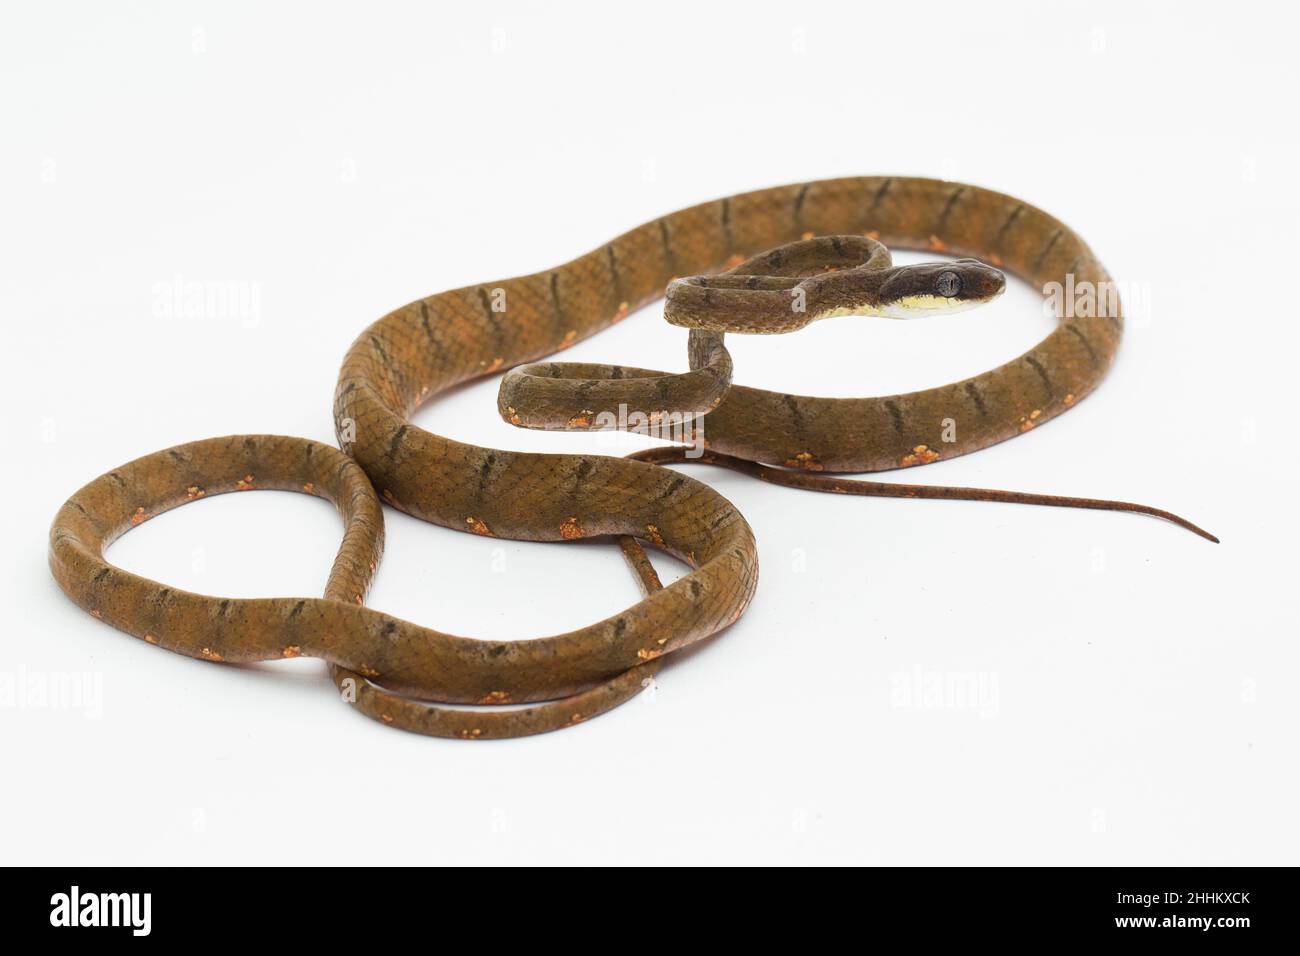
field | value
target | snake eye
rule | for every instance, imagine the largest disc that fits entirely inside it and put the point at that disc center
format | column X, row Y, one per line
column 948, row 284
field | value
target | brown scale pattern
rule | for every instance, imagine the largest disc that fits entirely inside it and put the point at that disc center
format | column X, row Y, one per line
column 401, row 673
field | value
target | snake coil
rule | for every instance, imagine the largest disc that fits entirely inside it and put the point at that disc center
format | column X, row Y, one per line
column 823, row 243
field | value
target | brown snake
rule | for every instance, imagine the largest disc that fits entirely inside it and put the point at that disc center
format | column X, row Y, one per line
column 825, row 254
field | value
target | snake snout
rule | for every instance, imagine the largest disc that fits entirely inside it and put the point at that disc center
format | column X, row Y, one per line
column 979, row 280
column 990, row 282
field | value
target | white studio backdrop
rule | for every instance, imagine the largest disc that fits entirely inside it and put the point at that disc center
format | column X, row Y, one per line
column 915, row 682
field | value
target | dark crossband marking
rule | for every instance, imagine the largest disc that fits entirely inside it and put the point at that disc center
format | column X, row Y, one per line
column 672, row 488
column 1007, row 224
column 486, row 301
column 485, row 472
column 1092, row 353
column 555, row 295
column 881, row 190
column 796, row 414
column 1037, row 366
column 948, row 207
column 1042, row 256
column 382, row 352
column 896, row 414
column 615, row 277
column 670, row 259
column 798, row 206
column 395, row 443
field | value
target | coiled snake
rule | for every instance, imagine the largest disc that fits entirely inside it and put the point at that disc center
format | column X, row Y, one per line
column 826, row 256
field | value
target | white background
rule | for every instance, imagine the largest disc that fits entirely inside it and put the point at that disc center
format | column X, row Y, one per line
column 1137, row 684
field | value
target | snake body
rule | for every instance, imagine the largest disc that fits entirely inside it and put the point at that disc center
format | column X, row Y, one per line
column 417, row 678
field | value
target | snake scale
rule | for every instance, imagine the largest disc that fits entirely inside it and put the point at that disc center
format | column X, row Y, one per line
column 821, row 244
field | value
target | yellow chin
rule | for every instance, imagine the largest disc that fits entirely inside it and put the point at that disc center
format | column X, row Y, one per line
column 912, row 306
column 908, row 307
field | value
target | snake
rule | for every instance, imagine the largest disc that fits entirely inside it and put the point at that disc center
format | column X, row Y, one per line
column 763, row 262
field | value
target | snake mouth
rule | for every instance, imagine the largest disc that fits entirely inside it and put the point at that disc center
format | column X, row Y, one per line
column 915, row 306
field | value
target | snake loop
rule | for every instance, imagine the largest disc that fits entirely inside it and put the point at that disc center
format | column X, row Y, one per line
column 391, row 669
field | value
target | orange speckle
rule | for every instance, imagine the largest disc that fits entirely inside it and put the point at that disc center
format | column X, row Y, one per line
column 648, row 653
column 150, row 639
column 310, row 488
column 139, row 516
column 920, row 455
column 208, row 654
column 1069, row 400
column 386, row 718
column 96, row 615
column 805, row 460
column 512, row 415
column 570, row 529
column 873, row 234
column 937, row 245
column 495, row 697
column 367, row 671
column 577, row 719
column 495, row 364
column 194, row 491
column 735, row 260
column 621, row 314
column 478, row 527
column 582, row 420
column 995, row 259
column 244, row 483
column 569, row 338
column 807, row 235
column 1031, row 420
column 471, row 734
column 655, row 537
column 293, row 650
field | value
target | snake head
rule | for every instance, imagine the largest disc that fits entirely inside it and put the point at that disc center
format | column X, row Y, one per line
column 929, row 288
